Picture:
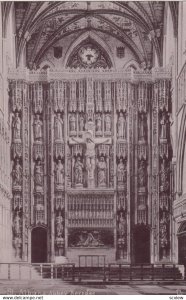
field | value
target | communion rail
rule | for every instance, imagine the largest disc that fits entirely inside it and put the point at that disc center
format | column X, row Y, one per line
column 37, row 271
column 105, row 273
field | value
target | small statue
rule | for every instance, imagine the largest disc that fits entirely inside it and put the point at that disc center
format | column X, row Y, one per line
column 59, row 226
column 16, row 127
column 98, row 123
column 142, row 127
column 59, row 174
column 102, row 167
column 122, row 127
column 163, row 232
column 38, row 174
column 78, row 171
column 163, row 126
column 121, row 172
column 17, row 174
column 142, row 180
column 81, row 123
column 107, row 123
column 164, row 172
column 38, row 128
column 121, row 225
column 17, row 225
column 72, row 123
column 58, row 128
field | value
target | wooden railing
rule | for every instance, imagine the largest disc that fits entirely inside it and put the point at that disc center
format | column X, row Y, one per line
column 21, row 271
column 105, row 273
column 143, row 272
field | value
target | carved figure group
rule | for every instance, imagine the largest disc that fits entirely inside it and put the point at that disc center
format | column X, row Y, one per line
column 58, row 128
column 16, row 127
column 90, row 142
column 38, row 128
column 89, row 240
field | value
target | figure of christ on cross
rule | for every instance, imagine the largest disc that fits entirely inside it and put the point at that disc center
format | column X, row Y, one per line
column 90, row 142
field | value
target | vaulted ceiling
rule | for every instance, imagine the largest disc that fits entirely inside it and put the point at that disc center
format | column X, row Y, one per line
column 138, row 25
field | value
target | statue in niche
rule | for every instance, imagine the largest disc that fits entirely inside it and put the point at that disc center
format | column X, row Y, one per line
column 163, row 232
column 72, row 123
column 164, row 173
column 17, row 174
column 38, row 128
column 102, row 168
column 107, row 123
column 59, row 174
column 16, row 127
column 142, row 127
column 121, row 225
column 58, row 128
column 163, row 126
column 18, row 247
column 59, row 226
column 38, row 174
column 90, row 142
column 122, row 127
column 121, row 173
column 142, row 176
column 81, row 123
column 98, row 124
column 78, row 171
column 17, row 225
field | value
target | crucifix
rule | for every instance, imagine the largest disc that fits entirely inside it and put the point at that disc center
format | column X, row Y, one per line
column 89, row 142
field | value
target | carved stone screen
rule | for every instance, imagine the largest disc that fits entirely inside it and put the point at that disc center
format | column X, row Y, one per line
column 86, row 165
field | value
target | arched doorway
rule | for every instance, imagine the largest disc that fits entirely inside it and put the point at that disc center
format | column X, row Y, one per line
column 141, row 244
column 182, row 244
column 39, row 245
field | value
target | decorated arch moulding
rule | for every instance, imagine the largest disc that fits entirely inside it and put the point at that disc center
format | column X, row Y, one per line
column 48, row 63
column 131, row 63
column 34, row 226
column 94, row 37
column 180, row 152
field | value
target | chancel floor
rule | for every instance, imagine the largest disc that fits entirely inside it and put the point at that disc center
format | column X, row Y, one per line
column 60, row 288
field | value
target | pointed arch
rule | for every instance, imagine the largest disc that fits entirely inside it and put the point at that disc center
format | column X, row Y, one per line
column 180, row 152
column 94, row 37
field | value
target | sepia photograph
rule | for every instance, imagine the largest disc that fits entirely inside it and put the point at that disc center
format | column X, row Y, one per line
column 92, row 148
